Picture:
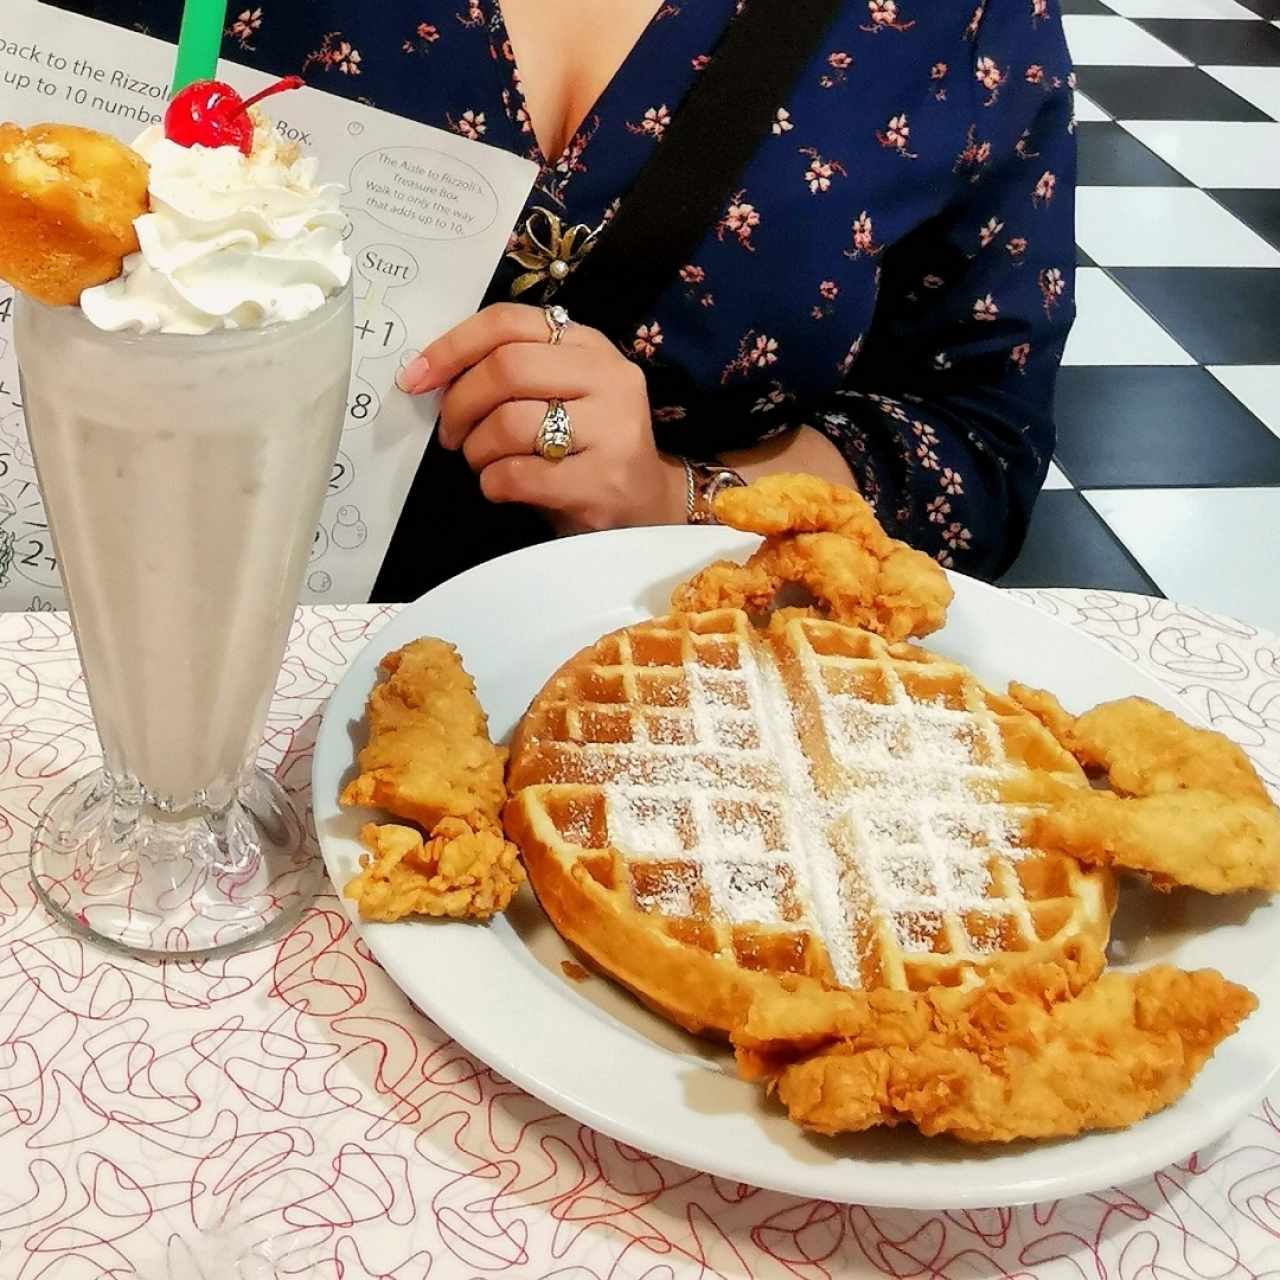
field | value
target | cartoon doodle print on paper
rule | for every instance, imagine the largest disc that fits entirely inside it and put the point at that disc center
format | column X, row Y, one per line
column 7, row 540
column 349, row 530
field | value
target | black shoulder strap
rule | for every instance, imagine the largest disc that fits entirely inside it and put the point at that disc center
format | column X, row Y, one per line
column 683, row 190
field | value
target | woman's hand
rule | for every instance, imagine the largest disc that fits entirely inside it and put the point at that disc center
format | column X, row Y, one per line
column 499, row 370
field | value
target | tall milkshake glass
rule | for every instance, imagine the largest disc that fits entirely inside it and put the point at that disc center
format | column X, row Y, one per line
column 183, row 478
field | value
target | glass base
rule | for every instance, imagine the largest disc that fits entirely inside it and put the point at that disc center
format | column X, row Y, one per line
column 173, row 885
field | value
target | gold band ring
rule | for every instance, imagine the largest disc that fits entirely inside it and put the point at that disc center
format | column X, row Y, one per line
column 557, row 319
column 554, row 440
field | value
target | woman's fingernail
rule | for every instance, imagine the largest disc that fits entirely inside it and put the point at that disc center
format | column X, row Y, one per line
column 413, row 377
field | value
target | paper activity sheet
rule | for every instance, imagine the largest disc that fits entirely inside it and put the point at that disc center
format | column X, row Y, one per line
column 430, row 214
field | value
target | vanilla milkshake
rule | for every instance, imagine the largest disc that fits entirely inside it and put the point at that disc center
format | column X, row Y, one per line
column 183, row 480
column 184, row 421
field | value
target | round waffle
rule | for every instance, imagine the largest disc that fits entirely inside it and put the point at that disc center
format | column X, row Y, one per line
column 703, row 807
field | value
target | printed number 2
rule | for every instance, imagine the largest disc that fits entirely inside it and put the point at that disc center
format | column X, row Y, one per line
column 39, row 552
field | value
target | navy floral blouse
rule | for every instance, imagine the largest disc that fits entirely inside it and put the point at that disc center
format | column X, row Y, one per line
column 895, row 268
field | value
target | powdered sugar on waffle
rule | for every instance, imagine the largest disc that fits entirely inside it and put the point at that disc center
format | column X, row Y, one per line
column 926, row 820
column 908, row 844
column 681, row 803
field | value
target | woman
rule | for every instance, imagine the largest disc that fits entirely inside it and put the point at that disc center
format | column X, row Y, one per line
column 882, row 299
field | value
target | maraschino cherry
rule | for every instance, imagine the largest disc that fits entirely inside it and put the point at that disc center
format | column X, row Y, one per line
column 210, row 113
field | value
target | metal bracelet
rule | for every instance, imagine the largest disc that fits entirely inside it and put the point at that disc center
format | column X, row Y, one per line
column 691, row 489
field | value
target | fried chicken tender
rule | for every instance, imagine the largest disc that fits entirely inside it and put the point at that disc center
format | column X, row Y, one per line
column 1023, row 1056
column 461, row 872
column 1048, row 710
column 1147, row 750
column 726, row 584
column 825, row 538
column 798, row 504
column 1189, row 809
column 429, row 760
column 1193, row 838
column 429, row 754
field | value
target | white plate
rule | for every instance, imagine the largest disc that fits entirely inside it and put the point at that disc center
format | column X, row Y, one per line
column 592, row 1052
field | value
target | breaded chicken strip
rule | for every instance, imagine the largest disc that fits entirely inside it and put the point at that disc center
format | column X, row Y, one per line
column 1195, row 838
column 429, row 754
column 429, row 760
column 1189, row 810
column 1146, row 750
column 826, row 538
column 726, row 584
column 458, row 872
column 1020, row 1057
column 1048, row 710
column 789, row 503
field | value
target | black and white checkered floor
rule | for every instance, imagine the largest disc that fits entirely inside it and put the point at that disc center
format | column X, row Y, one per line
column 1167, row 478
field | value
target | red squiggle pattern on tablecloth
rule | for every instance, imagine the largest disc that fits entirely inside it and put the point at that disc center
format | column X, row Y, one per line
column 288, row 1113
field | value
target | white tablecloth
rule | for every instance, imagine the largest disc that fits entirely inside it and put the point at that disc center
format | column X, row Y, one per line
column 288, row 1111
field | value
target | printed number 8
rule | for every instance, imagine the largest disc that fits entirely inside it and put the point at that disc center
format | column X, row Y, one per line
column 360, row 406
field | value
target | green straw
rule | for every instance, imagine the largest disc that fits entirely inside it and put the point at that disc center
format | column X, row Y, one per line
column 200, row 42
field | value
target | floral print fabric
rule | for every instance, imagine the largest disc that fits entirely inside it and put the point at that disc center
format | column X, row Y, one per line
column 894, row 268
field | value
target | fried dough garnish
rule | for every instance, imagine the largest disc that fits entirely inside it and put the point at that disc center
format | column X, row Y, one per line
column 1189, row 807
column 69, row 198
column 1025, row 1055
column 824, row 537
column 461, row 872
column 429, row 754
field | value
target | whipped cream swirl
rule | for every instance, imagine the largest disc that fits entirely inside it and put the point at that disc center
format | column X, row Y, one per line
column 231, row 242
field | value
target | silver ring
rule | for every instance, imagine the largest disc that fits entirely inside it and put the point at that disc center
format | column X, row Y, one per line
column 557, row 321
column 554, row 440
